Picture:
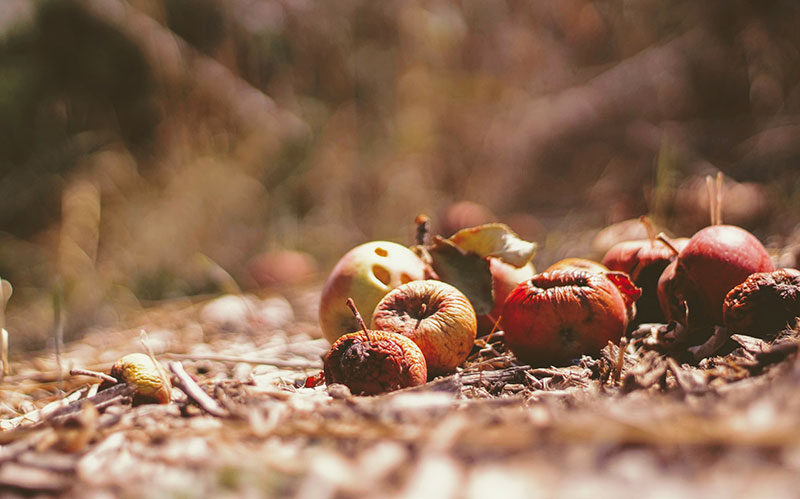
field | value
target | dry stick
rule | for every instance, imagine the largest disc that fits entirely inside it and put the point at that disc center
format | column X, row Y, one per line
column 58, row 332
column 288, row 364
column 352, row 305
column 4, row 354
column 664, row 239
column 651, row 233
column 93, row 374
column 711, row 197
column 194, row 392
column 719, row 199
column 5, row 292
column 623, row 342
column 152, row 355
column 423, row 223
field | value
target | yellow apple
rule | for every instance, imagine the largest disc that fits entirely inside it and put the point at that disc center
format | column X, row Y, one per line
column 365, row 274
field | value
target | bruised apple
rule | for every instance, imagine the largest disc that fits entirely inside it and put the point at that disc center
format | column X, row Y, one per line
column 559, row 315
column 365, row 274
column 436, row 316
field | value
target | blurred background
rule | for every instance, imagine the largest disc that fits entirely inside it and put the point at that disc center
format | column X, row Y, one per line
column 152, row 149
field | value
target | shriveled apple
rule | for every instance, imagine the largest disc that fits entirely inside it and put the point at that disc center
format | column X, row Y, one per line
column 436, row 316
column 559, row 315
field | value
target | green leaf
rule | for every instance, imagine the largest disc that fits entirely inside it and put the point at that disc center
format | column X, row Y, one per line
column 469, row 272
column 496, row 240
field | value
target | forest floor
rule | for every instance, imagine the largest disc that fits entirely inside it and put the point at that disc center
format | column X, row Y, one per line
column 632, row 425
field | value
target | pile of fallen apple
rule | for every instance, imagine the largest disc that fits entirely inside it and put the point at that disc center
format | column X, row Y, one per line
column 428, row 302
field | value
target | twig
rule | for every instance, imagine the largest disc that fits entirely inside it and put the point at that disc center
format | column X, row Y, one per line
column 58, row 331
column 287, row 364
column 194, row 392
column 93, row 374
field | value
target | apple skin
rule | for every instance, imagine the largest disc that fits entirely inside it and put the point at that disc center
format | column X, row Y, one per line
column 559, row 315
column 365, row 274
column 644, row 261
column 505, row 277
column 715, row 260
column 579, row 264
column 436, row 316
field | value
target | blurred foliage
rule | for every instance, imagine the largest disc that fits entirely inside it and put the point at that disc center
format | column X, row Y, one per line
column 139, row 138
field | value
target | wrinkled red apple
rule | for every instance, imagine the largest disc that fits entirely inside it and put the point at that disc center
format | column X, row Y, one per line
column 374, row 362
column 644, row 261
column 559, row 315
column 365, row 274
column 505, row 277
column 436, row 316
column 714, row 261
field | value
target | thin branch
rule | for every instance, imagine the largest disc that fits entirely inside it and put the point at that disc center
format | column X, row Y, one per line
column 194, row 392
column 286, row 364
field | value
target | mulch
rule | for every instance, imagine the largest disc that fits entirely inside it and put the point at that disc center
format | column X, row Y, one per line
column 633, row 422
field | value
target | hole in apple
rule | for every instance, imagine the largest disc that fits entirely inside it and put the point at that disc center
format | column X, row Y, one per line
column 405, row 278
column 381, row 274
column 381, row 252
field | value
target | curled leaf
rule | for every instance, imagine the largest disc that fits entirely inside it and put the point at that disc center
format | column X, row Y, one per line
column 469, row 272
column 495, row 239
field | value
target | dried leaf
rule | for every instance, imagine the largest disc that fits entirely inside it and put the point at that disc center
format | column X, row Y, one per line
column 469, row 272
column 496, row 240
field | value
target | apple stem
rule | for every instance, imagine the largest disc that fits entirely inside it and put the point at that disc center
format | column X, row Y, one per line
column 423, row 223
column 714, row 198
column 664, row 239
column 710, row 189
column 719, row 199
column 352, row 306
column 648, row 226
column 623, row 343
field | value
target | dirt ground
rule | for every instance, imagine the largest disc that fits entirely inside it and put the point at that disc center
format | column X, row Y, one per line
column 653, row 428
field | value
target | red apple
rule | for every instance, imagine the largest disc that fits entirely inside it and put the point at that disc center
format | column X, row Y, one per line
column 505, row 277
column 365, row 274
column 714, row 261
column 644, row 260
column 559, row 315
column 436, row 316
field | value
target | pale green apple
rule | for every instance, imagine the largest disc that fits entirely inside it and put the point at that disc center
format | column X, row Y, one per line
column 365, row 274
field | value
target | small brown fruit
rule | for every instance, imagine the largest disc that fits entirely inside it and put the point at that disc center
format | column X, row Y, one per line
column 374, row 362
column 764, row 304
column 150, row 381
column 436, row 316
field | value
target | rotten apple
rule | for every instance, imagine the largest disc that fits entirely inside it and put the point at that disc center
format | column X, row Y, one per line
column 371, row 362
column 436, row 316
column 559, row 315
column 764, row 304
column 365, row 274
